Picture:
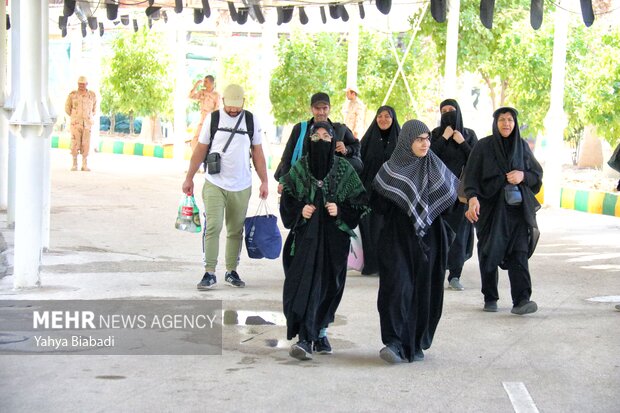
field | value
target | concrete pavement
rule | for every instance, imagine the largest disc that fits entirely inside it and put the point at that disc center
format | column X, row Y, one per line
column 113, row 237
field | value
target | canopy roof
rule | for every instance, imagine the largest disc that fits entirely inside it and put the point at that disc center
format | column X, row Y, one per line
column 243, row 10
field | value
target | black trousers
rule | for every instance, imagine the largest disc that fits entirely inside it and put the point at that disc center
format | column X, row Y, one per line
column 515, row 262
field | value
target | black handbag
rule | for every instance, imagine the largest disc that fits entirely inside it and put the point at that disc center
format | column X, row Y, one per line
column 614, row 161
column 512, row 195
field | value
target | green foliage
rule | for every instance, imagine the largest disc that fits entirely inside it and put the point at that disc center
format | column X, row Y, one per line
column 600, row 77
column 139, row 78
column 513, row 60
column 237, row 69
column 307, row 64
column 377, row 67
column 515, row 63
column 311, row 63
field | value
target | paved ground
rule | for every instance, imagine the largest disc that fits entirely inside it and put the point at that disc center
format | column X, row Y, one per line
column 113, row 237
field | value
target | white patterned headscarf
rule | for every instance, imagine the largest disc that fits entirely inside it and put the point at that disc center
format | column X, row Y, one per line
column 423, row 187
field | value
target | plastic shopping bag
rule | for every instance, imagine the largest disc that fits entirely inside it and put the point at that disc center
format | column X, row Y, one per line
column 262, row 236
column 355, row 261
column 188, row 216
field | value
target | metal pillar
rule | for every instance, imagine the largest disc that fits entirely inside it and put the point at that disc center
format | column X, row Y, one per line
column 29, row 120
column 47, row 130
column 9, row 106
column 4, row 131
column 452, row 40
column 556, row 120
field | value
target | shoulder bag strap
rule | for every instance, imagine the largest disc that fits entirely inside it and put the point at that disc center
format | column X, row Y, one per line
column 234, row 131
column 300, row 143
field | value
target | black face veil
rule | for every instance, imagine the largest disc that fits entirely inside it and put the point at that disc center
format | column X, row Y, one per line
column 321, row 153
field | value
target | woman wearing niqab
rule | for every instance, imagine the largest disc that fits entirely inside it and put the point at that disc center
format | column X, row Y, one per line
column 502, row 177
column 322, row 200
column 377, row 146
column 452, row 143
column 413, row 189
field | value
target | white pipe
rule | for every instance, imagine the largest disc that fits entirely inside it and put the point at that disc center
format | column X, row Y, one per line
column 452, row 40
column 47, row 132
column 4, row 131
column 9, row 106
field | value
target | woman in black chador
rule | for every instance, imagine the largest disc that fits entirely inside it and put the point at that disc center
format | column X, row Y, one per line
column 452, row 143
column 412, row 190
column 322, row 199
column 377, row 145
column 501, row 178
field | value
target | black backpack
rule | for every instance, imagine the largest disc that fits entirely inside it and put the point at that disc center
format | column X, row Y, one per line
column 215, row 123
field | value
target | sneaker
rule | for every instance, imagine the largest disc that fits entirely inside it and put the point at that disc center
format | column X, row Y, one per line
column 232, row 278
column 322, row 346
column 455, row 284
column 524, row 307
column 390, row 354
column 208, row 281
column 490, row 306
column 301, row 351
column 418, row 355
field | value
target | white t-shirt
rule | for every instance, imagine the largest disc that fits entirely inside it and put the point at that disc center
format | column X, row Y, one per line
column 235, row 174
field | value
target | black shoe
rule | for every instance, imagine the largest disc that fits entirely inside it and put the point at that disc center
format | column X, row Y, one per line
column 391, row 354
column 233, row 279
column 301, row 351
column 207, row 282
column 322, row 346
column 490, row 306
column 525, row 307
column 418, row 355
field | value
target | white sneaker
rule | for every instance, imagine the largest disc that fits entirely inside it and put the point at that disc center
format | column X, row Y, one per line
column 455, row 284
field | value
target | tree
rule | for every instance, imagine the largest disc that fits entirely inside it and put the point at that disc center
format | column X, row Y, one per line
column 377, row 67
column 307, row 64
column 110, row 103
column 513, row 60
column 600, row 77
column 139, row 76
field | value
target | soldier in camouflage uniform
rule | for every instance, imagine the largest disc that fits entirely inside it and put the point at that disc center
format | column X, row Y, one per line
column 209, row 102
column 81, row 106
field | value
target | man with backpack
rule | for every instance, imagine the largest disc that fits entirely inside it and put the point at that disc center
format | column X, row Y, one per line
column 297, row 144
column 226, row 140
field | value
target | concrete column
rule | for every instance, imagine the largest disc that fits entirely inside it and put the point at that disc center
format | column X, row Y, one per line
column 4, row 131
column 556, row 120
column 452, row 40
column 29, row 120
column 178, row 41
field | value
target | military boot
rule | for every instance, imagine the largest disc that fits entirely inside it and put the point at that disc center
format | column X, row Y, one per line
column 74, row 167
column 85, row 167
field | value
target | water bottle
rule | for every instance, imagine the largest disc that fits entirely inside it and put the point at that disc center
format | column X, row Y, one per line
column 185, row 217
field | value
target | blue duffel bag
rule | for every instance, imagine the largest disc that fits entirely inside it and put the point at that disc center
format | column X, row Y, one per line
column 262, row 236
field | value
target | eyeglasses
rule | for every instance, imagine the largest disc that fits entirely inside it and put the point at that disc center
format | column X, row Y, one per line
column 316, row 137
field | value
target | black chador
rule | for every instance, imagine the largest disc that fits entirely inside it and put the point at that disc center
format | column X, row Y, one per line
column 412, row 192
column 377, row 147
column 316, row 249
column 455, row 156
